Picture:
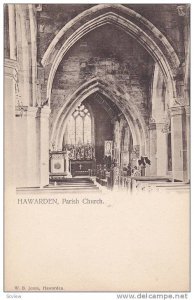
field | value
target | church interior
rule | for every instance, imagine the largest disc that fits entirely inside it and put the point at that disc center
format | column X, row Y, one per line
column 97, row 95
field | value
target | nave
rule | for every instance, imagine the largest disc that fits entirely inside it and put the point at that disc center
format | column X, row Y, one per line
column 103, row 93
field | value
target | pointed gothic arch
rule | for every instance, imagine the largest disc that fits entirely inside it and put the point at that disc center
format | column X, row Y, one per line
column 127, row 20
column 116, row 95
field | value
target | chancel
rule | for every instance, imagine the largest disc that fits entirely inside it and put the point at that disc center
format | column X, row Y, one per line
column 96, row 95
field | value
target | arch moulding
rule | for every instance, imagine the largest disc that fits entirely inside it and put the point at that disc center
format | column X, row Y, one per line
column 122, row 100
column 127, row 20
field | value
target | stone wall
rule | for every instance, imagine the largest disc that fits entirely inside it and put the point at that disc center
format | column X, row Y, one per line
column 53, row 17
column 121, row 62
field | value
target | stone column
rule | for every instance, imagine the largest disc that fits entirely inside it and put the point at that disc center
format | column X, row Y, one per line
column 162, row 150
column 125, row 150
column 12, row 31
column 67, row 164
column 158, row 139
column 24, row 54
column 33, row 34
column 44, row 145
column 10, row 75
column 187, row 109
column 32, row 154
column 26, row 147
column 178, row 141
column 158, row 150
column 153, row 148
column 117, row 142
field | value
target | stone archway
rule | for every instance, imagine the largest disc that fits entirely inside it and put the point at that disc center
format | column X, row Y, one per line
column 145, row 33
column 36, row 113
column 127, row 106
column 127, row 20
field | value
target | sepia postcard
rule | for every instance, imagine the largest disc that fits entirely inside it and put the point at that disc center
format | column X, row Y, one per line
column 96, row 147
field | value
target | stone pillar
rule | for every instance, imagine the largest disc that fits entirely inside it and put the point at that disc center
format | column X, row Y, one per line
column 21, row 149
column 162, row 150
column 187, row 109
column 33, row 34
column 24, row 54
column 178, row 142
column 44, row 145
column 26, row 147
column 158, row 138
column 117, row 142
column 125, row 139
column 158, row 150
column 32, row 155
column 153, row 149
column 12, row 31
column 67, row 164
column 10, row 74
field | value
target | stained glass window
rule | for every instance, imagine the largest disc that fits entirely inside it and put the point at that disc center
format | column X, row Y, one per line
column 79, row 127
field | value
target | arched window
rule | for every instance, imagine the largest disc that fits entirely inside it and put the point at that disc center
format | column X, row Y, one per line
column 87, row 129
column 79, row 127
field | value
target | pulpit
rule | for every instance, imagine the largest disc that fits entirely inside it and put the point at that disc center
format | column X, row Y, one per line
column 59, row 165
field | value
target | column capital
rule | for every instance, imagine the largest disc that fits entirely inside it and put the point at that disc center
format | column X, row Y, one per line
column 152, row 124
column 187, row 109
column 176, row 110
column 11, row 68
column 161, row 127
column 44, row 112
column 178, row 101
column 26, row 111
column 32, row 111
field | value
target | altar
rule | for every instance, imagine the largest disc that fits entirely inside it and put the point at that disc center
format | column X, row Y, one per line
column 82, row 167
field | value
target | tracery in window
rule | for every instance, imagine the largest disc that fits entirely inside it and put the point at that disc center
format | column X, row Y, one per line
column 79, row 127
column 78, row 135
column 87, row 129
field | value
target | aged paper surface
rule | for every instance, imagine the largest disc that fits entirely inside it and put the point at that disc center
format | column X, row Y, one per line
column 97, row 194
column 139, row 244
